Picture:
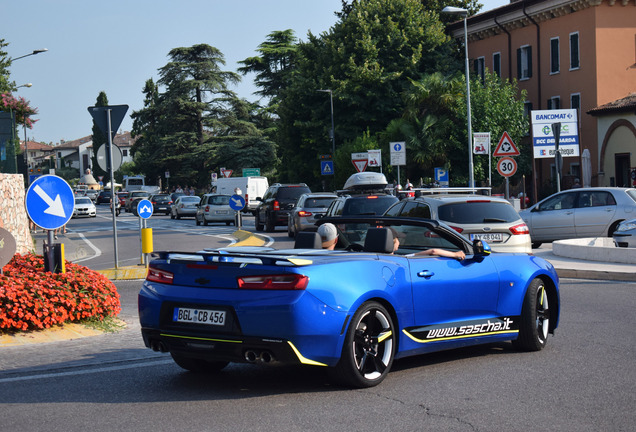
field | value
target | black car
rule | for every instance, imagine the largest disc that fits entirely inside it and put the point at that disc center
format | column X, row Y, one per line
column 161, row 203
column 104, row 197
column 273, row 209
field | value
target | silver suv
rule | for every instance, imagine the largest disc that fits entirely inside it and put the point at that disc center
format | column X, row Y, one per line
column 476, row 217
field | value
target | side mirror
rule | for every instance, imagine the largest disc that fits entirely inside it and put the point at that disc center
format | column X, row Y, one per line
column 481, row 248
column 259, row 198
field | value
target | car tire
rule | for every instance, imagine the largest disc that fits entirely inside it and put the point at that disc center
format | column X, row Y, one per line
column 171, row 215
column 205, row 221
column 535, row 318
column 269, row 224
column 227, row 223
column 257, row 223
column 198, row 365
column 369, row 347
column 290, row 231
column 197, row 221
column 536, row 245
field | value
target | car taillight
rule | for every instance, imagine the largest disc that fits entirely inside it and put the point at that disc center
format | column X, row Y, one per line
column 276, row 205
column 161, row 276
column 372, row 197
column 274, row 282
column 303, row 213
column 207, row 208
column 519, row 229
column 458, row 229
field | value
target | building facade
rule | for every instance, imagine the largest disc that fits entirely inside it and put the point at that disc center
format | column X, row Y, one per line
column 577, row 54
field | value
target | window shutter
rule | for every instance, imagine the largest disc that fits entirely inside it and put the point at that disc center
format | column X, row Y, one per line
column 518, row 63
column 529, row 52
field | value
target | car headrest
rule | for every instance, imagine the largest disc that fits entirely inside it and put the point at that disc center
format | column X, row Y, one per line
column 308, row 240
column 379, row 240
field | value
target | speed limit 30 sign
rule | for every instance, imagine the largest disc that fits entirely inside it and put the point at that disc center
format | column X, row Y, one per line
column 507, row 166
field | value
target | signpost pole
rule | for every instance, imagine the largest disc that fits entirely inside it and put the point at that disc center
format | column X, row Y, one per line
column 113, row 195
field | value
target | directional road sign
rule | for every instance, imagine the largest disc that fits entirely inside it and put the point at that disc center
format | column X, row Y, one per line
column 49, row 202
column 102, row 157
column 237, row 202
column 144, row 209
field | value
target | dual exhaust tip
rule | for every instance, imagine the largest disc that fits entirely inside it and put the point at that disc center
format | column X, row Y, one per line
column 263, row 356
column 250, row 355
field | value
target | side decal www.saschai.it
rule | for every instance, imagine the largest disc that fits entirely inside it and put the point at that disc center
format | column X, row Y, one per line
column 465, row 329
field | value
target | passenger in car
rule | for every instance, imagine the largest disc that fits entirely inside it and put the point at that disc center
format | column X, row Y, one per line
column 458, row 255
column 328, row 235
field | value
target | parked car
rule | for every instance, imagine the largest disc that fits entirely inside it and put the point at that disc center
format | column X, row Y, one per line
column 84, row 206
column 625, row 234
column 132, row 196
column 214, row 208
column 309, row 207
column 353, row 313
column 580, row 213
column 184, row 206
column 273, row 209
column 161, row 203
column 477, row 217
column 104, row 197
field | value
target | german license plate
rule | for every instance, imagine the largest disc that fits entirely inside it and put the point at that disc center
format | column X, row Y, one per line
column 220, row 212
column 199, row 316
column 489, row 237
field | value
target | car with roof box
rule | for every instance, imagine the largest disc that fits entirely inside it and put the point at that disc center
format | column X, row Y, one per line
column 363, row 194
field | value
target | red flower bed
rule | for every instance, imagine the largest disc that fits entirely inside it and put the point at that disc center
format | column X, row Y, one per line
column 31, row 298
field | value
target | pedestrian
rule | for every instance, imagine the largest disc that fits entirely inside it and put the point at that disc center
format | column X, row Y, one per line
column 577, row 183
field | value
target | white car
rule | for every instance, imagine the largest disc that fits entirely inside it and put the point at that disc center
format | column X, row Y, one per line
column 214, row 208
column 84, row 206
column 477, row 217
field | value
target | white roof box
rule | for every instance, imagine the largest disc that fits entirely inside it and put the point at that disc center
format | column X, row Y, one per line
column 366, row 180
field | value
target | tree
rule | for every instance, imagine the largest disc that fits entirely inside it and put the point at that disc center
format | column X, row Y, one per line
column 6, row 85
column 433, row 124
column 367, row 60
column 99, row 138
column 274, row 65
column 197, row 122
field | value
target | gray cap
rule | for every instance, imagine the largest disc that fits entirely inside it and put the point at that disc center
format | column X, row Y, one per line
column 327, row 232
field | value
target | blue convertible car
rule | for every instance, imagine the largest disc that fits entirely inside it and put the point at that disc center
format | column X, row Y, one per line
column 354, row 309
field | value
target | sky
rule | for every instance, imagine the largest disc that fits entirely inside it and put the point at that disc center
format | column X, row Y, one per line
column 116, row 46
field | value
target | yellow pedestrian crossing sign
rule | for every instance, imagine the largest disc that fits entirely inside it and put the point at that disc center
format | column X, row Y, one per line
column 326, row 167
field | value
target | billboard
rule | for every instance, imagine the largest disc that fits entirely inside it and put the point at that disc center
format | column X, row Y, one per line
column 543, row 138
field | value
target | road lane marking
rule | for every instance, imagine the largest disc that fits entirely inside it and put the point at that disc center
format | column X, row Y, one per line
column 85, row 371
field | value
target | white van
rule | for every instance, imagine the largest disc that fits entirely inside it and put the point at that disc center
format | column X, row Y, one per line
column 251, row 188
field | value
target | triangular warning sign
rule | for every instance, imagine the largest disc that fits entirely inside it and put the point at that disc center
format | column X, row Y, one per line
column 360, row 164
column 506, row 147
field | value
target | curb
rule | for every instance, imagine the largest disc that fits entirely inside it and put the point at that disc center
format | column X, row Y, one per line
column 596, row 275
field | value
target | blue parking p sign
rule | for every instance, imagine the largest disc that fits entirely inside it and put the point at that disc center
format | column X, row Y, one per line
column 49, row 202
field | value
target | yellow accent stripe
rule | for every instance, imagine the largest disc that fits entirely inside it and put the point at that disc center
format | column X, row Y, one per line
column 302, row 359
column 200, row 338
column 458, row 337
column 542, row 294
column 300, row 261
column 385, row 336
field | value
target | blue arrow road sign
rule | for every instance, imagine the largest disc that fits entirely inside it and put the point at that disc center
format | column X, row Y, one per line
column 326, row 167
column 237, row 202
column 144, row 209
column 49, row 202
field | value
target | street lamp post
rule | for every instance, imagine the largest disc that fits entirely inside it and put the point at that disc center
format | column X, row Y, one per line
column 464, row 14
column 37, row 51
column 333, row 135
